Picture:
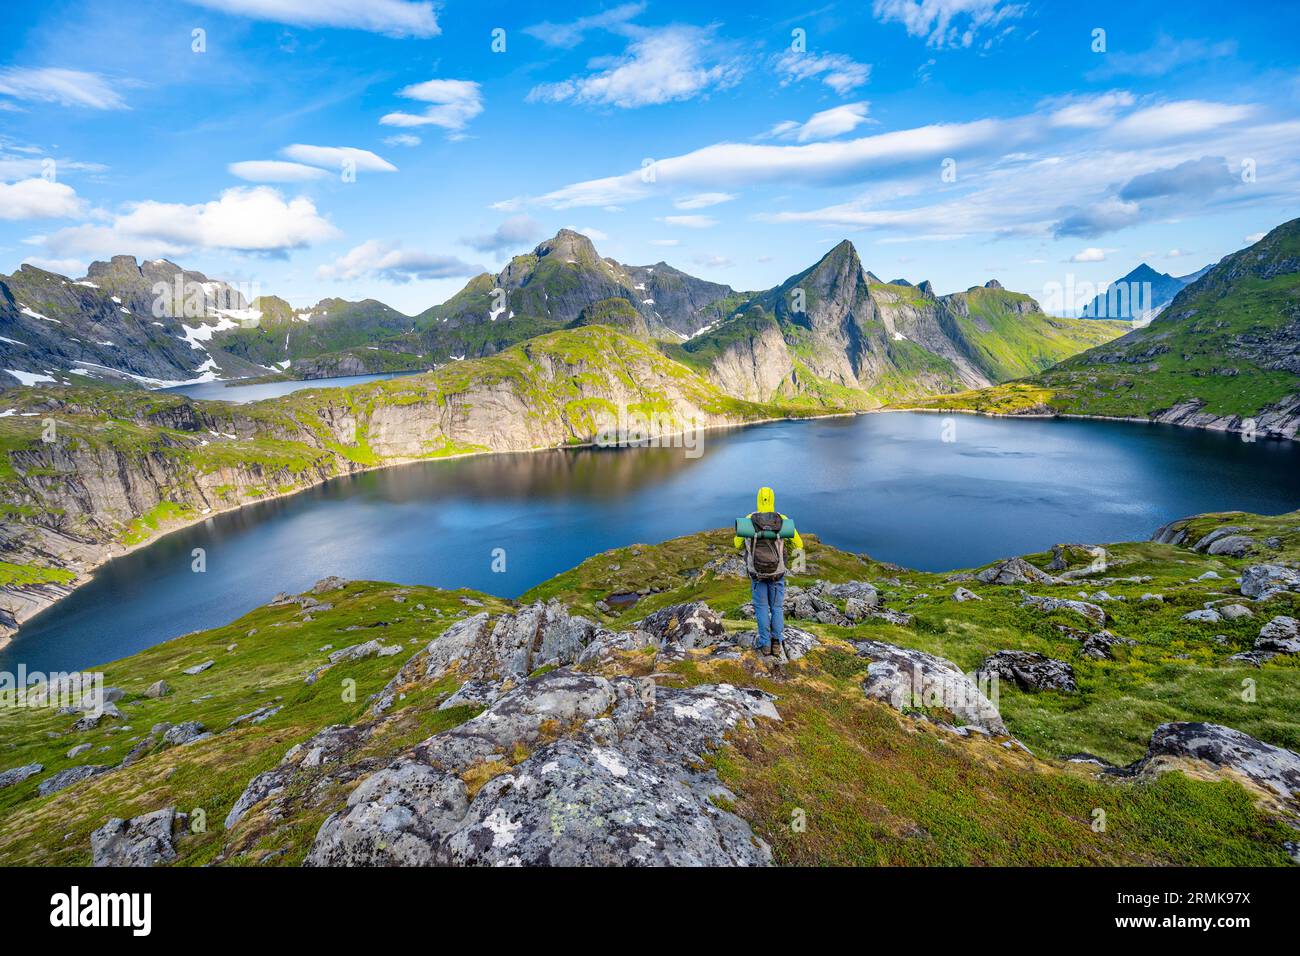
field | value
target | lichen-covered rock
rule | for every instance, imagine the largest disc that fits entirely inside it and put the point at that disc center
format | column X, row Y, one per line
column 1279, row 636
column 198, row 668
column 1268, row 766
column 905, row 679
column 681, row 627
column 145, row 840
column 1262, row 581
column 67, row 778
column 185, row 733
column 961, row 595
column 1050, row 604
column 619, row 785
column 795, row 642
column 1203, row 616
column 1098, row 645
column 159, row 688
column 325, row 750
column 1014, row 571
column 16, row 775
column 1029, row 671
column 1234, row 611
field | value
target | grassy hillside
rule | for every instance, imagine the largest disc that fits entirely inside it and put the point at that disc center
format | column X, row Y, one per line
column 1227, row 346
column 875, row 786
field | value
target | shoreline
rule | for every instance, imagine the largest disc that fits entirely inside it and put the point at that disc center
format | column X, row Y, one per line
column 1076, row 416
column 171, row 527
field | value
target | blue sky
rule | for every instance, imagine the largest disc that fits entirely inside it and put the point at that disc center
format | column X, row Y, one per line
column 355, row 148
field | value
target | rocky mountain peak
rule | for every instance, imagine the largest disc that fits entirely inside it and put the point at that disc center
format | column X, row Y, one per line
column 568, row 244
column 993, row 284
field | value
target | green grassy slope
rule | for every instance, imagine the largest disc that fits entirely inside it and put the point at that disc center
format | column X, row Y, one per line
column 1228, row 342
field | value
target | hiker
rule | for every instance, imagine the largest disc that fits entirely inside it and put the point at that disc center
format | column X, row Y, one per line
column 763, row 535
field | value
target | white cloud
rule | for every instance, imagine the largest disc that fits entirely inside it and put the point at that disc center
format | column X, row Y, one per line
column 375, row 259
column 665, row 242
column 65, row 87
column 570, row 34
column 662, row 66
column 39, row 199
column 1089, row 112
column 1181, row 118
column 452, row 104
column 946, row 22
column 595, row 235
column 335, row 157
column 1254, row 237
column 243, row 218
column 393, row 17
column 275, row 171
column 730, row 164
column 827, row 124
column 402, row 139
column 1164, row 55
column 702, row 200
column 1176, row 253
column 841, row 73
column 63, row 267
column 690, row 222
column 713, row 261
column 1090, row 254
column 514, row 232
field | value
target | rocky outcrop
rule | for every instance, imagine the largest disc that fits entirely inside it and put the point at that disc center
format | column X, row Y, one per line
column 1263, row 581
column 145, row 840
column 69, row 777
column 618, row 787
column 910, row 680
column 1223, row 748
column 1029, row 671
column 16, row 775
column 754, row 364
column 1050, row 605
column 1014, row 571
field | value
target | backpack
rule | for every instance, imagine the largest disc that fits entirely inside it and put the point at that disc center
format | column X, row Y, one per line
column 765, row 552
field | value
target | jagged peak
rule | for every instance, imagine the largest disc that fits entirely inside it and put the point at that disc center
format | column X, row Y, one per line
column 993, row 284
column 568, row 242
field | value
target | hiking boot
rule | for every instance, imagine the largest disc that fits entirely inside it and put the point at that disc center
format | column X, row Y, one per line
column 770, row 649
column 775, row 649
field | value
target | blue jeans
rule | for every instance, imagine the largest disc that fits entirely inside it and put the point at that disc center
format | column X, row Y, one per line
column 769, row 596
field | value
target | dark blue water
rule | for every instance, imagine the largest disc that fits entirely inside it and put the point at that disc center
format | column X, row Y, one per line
column 883, row 484
column 239, row 394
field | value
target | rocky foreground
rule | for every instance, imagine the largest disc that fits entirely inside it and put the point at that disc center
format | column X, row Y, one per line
column 1089, row 698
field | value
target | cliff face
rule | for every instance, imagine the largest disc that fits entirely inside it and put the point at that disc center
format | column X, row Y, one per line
column 126, row 465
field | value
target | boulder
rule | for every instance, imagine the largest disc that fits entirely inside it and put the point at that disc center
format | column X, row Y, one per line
column 1049, row 605
column 1014, row 571
column 1098, row 645
column 1279, row 636
column 1206, row 543
column 1203, row 616
column 1234, row 611
column 185, row 733
column 198, row 668
column 684, row 626
column 905, row 678
column 1029, row 671
column 795, row 642
column 858, row 590
column 16, row 775
column 357, row 652
column 331, row 583
column 1232, row 546
column 145, row 840
column 159, row 688
column 67, row 778
column 962, row 595
column 1222, row 747
column 1262, row 581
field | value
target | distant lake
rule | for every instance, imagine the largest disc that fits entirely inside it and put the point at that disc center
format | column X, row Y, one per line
column 884, row 484
column 231, row 392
